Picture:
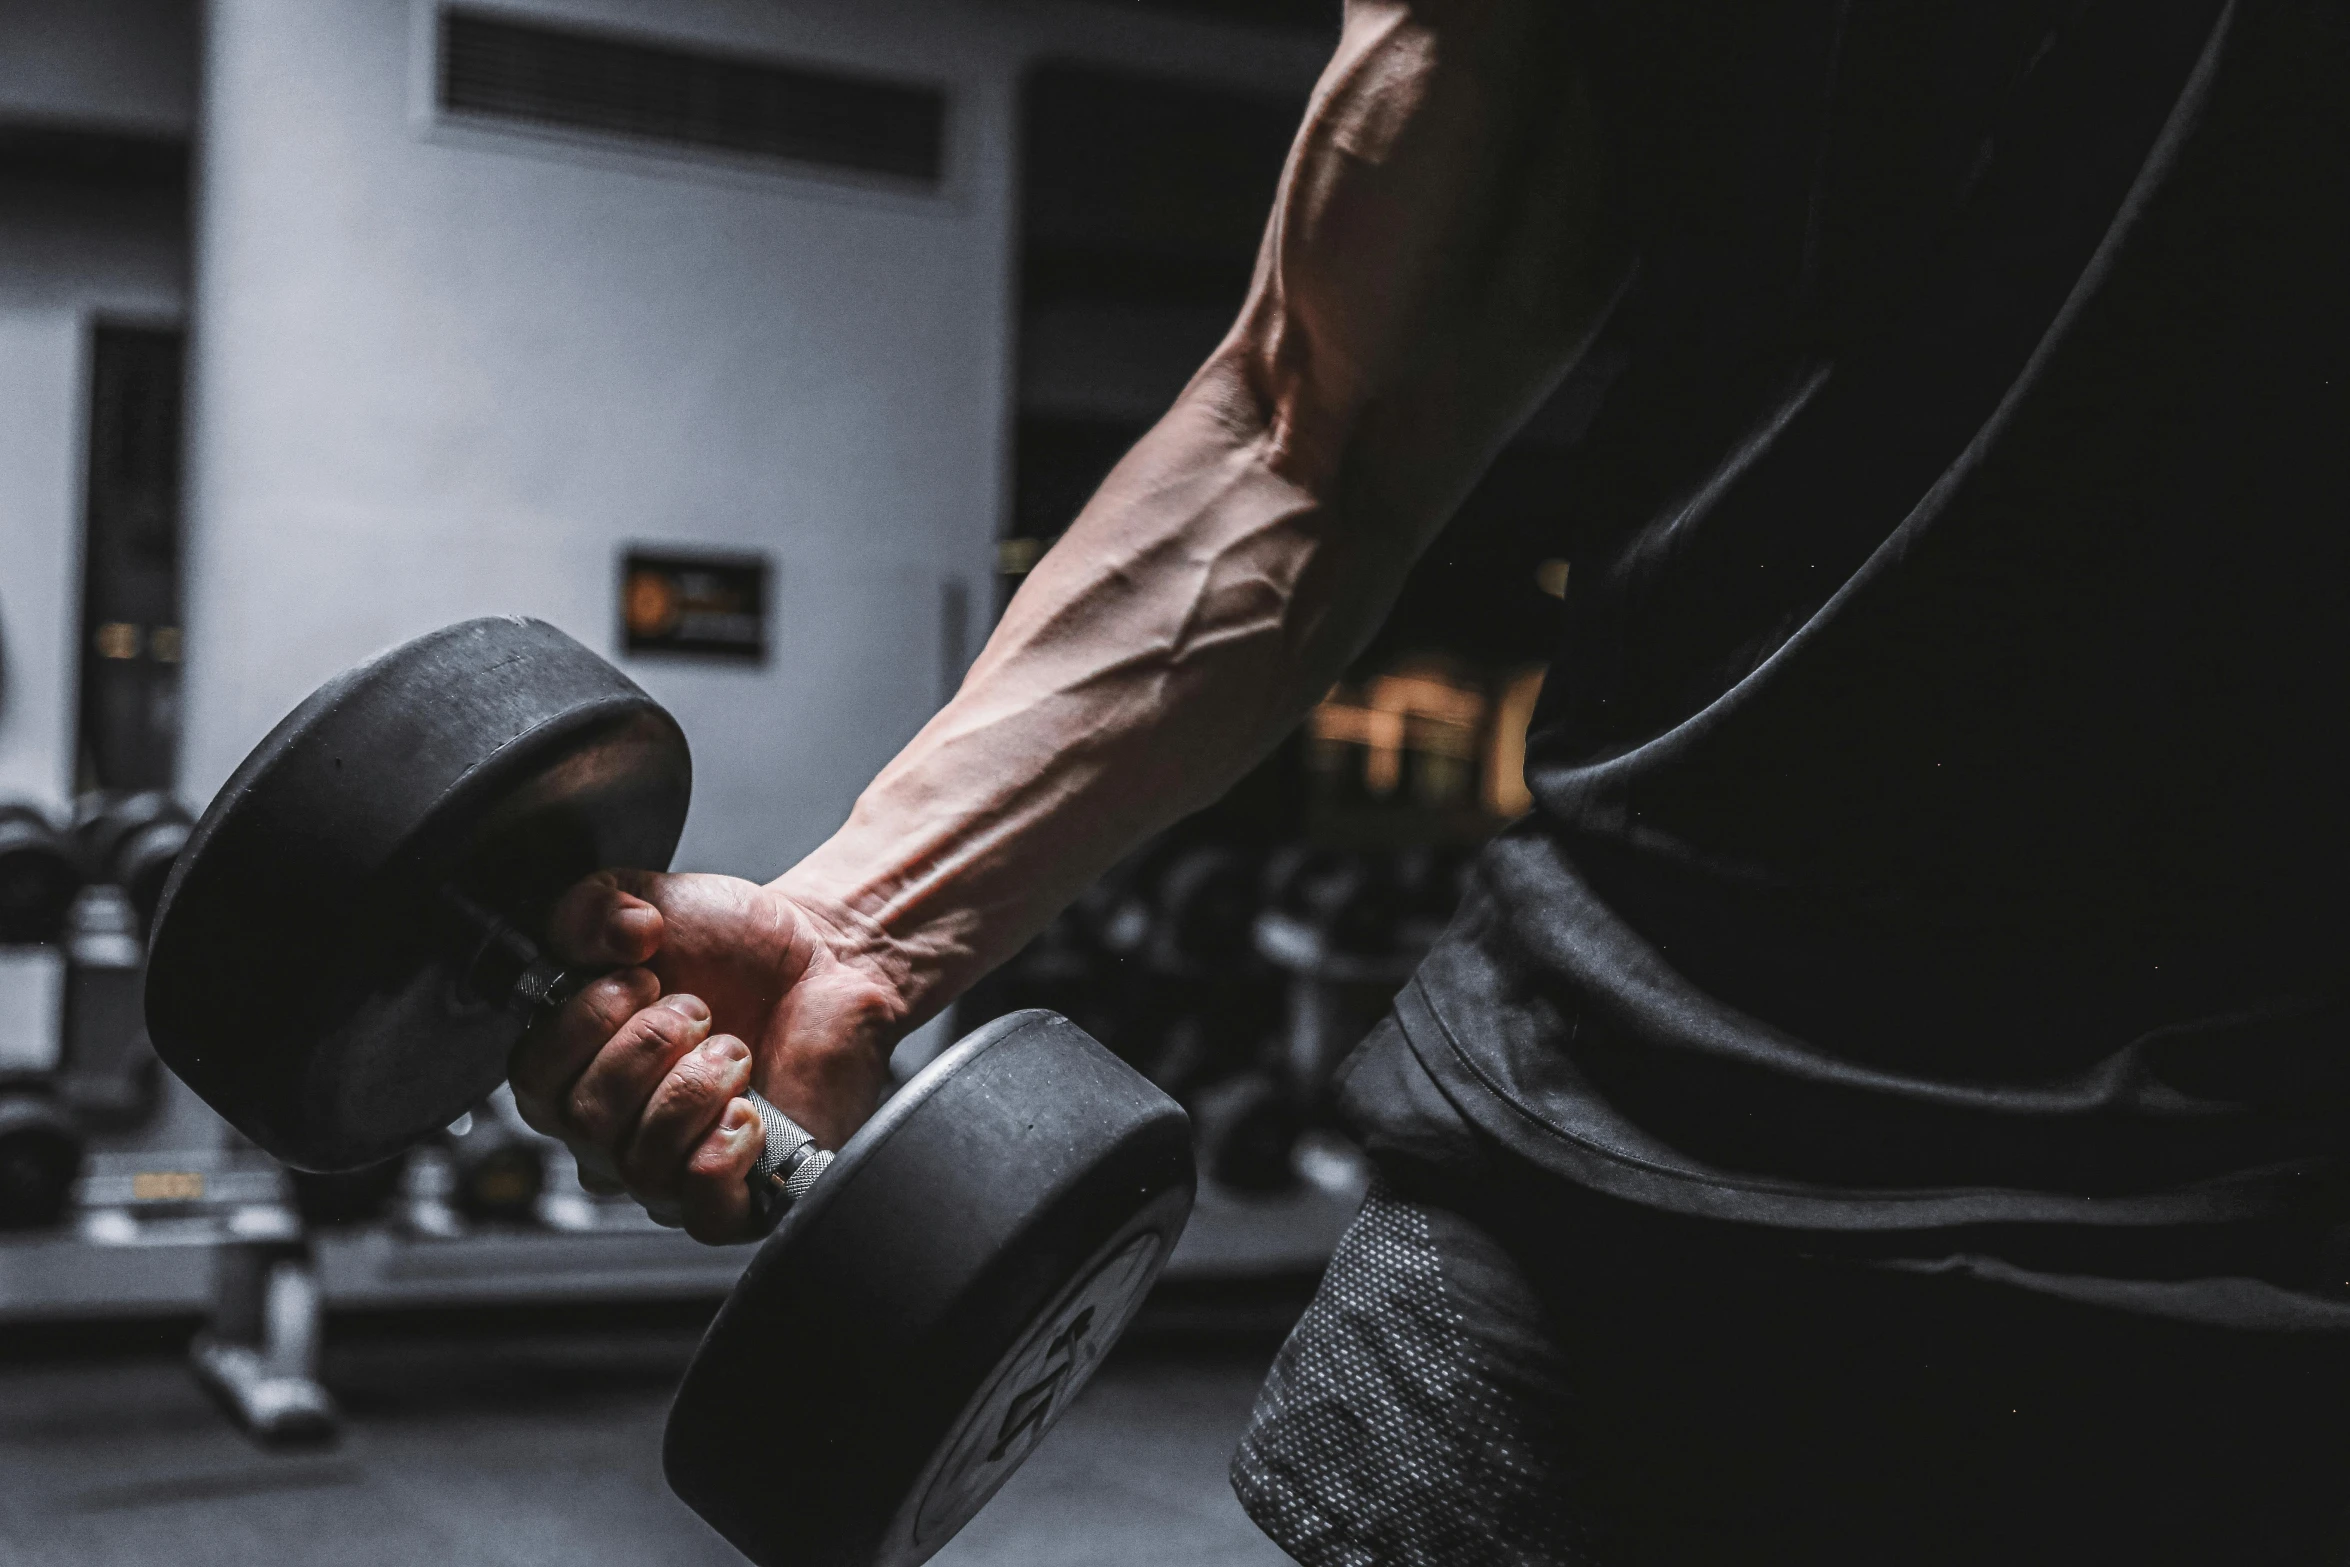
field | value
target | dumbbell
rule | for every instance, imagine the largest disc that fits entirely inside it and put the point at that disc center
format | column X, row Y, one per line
column 498, row 1164
column 106, row 1071
column 1208, row 900
column 39, row 874
column 131, row 840
column 933, row 1294
column 40, row 1154
column 1352, row 900
column 1249, row 1126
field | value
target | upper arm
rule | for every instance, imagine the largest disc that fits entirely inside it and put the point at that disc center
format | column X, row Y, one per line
column 1437, row 250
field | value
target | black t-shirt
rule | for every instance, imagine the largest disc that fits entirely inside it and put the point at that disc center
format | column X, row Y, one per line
column 1941, row 834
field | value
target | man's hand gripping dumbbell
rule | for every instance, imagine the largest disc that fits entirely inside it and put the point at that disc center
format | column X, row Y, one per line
column 717, row 985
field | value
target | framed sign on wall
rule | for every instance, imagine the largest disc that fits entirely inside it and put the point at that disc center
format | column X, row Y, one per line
column 701, row 603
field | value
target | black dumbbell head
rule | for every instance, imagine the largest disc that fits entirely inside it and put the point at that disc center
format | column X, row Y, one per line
column 142, row 865
column 303, row 975
column 500, row 1171
column 40, row 1155
column 132, row 840
column 1208, row 903
column 1248, row 1129
column 103, row 818
column 924, row 1315
column 39, row 875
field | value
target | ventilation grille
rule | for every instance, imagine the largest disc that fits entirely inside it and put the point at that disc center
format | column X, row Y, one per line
column 679, row 98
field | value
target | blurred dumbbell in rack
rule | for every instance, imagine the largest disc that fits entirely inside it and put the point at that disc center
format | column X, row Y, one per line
column 74, row 906
column 1347, row 928
column 1155, row 960
column 107, row 1071
column 40, row 871
column 130, row 841
column 41, row 1142
column 1222, row 1006
column 40, row 1153
column 489, row 1173
column 485, row 1169
column 1084, row 965
column 257, row 1354
column 127, row 843
column 1236, row 980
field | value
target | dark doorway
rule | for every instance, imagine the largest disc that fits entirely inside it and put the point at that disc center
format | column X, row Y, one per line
column 129, row 736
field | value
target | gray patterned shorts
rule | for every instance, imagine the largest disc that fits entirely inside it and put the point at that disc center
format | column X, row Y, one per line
column 1384, row 1435
column 1568, row 1390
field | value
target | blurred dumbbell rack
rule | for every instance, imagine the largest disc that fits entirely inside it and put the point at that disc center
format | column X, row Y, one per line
column 154, row 1205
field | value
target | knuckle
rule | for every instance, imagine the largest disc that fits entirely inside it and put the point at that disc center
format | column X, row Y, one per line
column 609, row 1003
column 661, row 1032
column 674, row 1105
column 681, row 1108
column 623, row 1077
column 720, row 1159
column 553, row 1054
column 597, row 1103
column 700, row 1077
column 586, row 1120
column 664, row 1029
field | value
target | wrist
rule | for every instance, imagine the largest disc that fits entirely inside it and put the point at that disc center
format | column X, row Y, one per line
column 854, row 939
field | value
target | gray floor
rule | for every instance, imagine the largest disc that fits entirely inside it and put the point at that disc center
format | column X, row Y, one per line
column 509, row 1450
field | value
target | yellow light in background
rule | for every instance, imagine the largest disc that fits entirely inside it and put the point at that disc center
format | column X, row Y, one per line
column 1436, row 718
column 1428, row 696
column 1505, row 764
column 1016, row 557
column 1551, row 578
column 1435, row 730
column 164, row 643
column 167, row 1186
column 117, row 639
column 1377, row 732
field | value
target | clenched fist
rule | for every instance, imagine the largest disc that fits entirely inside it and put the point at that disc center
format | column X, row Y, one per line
column 720, row 985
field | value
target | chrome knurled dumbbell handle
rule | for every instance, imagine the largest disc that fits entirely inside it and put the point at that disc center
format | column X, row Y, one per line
column 788, row 1163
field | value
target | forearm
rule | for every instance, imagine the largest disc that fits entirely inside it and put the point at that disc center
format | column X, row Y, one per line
column 1194, row 610
column 1422, row 280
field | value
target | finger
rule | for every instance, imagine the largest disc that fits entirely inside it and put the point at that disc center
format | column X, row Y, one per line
column 597, row 1174
column 603, row 1105
column 550, row 1057
column 713, row 1193
column 603, row 919
column 683, row 1110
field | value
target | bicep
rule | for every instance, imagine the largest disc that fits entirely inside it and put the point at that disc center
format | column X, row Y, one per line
column 1437, row 237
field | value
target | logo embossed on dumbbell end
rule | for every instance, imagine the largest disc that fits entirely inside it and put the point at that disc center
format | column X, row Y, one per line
column 1033, row 1402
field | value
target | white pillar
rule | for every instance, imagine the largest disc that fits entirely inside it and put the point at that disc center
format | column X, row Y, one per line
column 42, row 393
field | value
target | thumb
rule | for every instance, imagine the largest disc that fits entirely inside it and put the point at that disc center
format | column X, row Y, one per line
column 600, row 920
